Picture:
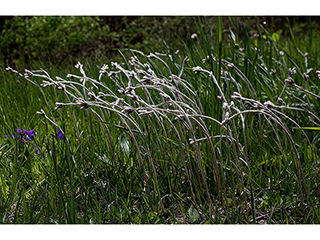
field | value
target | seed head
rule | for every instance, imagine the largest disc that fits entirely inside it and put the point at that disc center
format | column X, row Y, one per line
column 292, row 71
column 127, row 110
column 289, row 80
column 82, row 104
column 236, row 95
column 273, row 72
column 196, row 69
column 59, row 106
column 28, row 73
column 41, row 112
column 268, row 104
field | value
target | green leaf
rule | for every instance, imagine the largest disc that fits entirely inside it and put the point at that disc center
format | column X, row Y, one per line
column 233, row 37
column 275, row 37
column 219, row 23
column 124, row 144
column 309, row 128
column 193, row 214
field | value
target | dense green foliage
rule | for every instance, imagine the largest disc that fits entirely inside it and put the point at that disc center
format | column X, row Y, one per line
column 63, row 39
column 50, row 38
column 211, row 133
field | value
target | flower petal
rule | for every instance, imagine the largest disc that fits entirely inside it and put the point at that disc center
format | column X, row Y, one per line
column 60, row 135
column 37, row 150
column 29, row 133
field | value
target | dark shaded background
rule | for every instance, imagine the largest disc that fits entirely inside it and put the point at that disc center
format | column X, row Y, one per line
column 137, row 32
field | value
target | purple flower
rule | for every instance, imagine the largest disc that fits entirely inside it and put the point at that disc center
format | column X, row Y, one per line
column 26, row 136
column 20, row 132
column 13, row 135
column 37, row 150
column 60, row 135
column 29, row 134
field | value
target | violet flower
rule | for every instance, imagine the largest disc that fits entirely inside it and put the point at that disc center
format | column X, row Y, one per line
column 60, row 135
column 29, row 137
column 19, row 131
column 37, row 150
column 29, row 134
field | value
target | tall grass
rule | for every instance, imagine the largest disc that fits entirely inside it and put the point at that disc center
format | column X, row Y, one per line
column 209, row 134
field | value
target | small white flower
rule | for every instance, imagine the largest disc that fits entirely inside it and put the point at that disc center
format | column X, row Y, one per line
column 194, row 36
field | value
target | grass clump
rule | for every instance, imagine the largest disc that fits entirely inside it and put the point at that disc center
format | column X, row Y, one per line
column 213, row 134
